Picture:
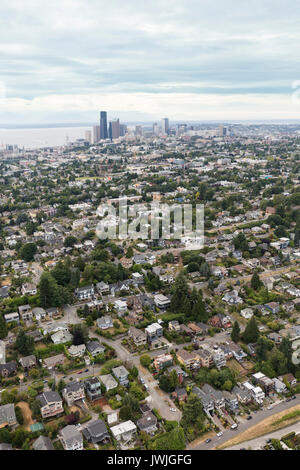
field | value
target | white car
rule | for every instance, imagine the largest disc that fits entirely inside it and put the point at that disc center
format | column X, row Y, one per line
column 234, row 426
column 173, row 410
column 269, row 407
column 220, row 434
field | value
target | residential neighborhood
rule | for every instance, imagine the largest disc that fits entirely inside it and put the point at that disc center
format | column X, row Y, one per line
column 118, row 344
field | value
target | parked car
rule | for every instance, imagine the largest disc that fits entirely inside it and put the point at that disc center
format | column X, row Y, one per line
column 220, row 434
column 208, row 441
column 249, row 417
column 234, row 426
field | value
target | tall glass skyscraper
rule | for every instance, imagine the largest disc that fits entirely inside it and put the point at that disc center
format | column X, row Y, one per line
column 103, row 125
column 165, row 126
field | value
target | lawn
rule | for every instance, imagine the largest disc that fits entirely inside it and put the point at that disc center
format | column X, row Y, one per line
column 233, row 364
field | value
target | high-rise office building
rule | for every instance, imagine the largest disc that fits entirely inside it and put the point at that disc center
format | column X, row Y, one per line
column 114, row 129
column 96, row 134
column 155, row 128
column 222, row 131
column 103, row 125
column 88, row 136
column 138, row 130
column 123, row 130
column 165, row 126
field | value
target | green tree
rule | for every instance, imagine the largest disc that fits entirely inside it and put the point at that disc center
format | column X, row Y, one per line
column 3, row 328
column 240, row 242
column 256, row 283
column 61, row 273
column 70, row 241
column 145, row 360
column 235, row 334
column 50, row 293
column 80, row 334
column 129, row 252
column 251, row 333
column 24, row 343
column 19, row 415
column 165, row 383
column 287, row 350
column 193, row 412
column 179, row 293
column 61, row 385
column 262, row 348
column 28, row 251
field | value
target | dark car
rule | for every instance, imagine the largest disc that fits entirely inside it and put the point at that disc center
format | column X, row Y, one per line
column 86, row 370
column 288, row 399
column 208, row 441
column 249, row 417
column 294, row 397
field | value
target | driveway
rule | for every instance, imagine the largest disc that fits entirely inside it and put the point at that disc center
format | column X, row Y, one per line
column 159, row 399
column 70, row 315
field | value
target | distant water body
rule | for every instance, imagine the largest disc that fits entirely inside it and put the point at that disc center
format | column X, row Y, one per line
column 42, row 137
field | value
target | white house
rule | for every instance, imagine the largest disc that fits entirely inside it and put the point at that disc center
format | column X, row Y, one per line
column 124, row 431
column 247, row 313
column 120, row 306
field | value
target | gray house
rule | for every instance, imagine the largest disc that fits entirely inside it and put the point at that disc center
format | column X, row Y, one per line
column 71, row 438
column 93, row 388
column 7, row 415
column 96, row 432
column 207, row 401
column 231, row 401
column 95, row 348
column 105, row 322
column 121, row 375
column 147, row 423
column 83, row 293
column 43, row 443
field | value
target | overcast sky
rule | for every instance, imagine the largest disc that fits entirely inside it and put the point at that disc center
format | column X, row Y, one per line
column 64, row 60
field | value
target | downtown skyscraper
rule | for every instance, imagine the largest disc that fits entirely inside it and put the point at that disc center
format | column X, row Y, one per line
column 103, row 125
column 114, row 129
column 165, row 127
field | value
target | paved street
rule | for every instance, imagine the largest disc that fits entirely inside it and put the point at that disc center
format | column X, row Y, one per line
column 256, row 418
column 159, row 399
column 257, row 444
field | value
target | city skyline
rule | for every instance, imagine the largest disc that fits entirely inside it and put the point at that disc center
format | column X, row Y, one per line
column 196, row 61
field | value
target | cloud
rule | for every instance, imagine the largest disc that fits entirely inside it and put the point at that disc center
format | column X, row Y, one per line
column 73, row 55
